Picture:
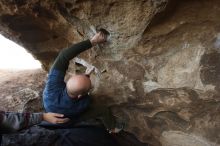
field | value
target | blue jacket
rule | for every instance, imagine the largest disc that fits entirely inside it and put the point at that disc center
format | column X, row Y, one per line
column 55, row 97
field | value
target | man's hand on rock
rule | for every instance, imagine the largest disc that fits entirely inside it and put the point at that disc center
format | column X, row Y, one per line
column 98, row 38
column 54, row 118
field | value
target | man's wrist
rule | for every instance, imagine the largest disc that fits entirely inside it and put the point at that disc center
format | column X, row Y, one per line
column 93, row 42
column 43, row 116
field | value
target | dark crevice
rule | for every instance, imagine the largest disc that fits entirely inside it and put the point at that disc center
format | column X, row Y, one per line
column 18, row 2
column 68, row 5
column 164, row 15
column 79, row 68
column 43, row 12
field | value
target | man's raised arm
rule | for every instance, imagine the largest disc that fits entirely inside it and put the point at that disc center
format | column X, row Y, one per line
column 62, row 61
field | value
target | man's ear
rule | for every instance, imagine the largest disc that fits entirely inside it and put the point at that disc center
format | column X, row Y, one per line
column 79, row 96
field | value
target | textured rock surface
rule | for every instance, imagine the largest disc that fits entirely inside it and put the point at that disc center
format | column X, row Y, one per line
column 160, row 70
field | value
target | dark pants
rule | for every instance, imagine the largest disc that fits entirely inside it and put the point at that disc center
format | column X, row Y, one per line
column 0, row 139
column 79, row 136
column 85, row 136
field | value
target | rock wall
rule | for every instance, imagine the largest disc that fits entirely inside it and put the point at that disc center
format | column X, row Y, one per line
column 159, row 71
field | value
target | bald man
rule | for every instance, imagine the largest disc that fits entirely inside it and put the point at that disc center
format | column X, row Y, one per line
column 78, row 85
column 70, row 98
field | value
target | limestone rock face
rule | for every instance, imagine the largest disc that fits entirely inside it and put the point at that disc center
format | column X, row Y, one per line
column 159, row 71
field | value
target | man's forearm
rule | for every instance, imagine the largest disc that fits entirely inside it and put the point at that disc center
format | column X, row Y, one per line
column 62, row 61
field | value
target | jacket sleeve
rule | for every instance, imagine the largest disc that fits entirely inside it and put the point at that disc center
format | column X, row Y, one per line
column 61, row 63
column 11, row 122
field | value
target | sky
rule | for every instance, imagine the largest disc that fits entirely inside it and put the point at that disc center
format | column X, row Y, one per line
column 13, row 56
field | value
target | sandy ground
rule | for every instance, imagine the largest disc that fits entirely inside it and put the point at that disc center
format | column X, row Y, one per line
column 21, row 89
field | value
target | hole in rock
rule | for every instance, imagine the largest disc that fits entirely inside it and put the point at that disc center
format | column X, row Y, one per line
column 80, row 69
column 105, row 32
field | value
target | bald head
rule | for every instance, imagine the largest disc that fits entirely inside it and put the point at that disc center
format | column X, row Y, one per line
column 78, row 85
